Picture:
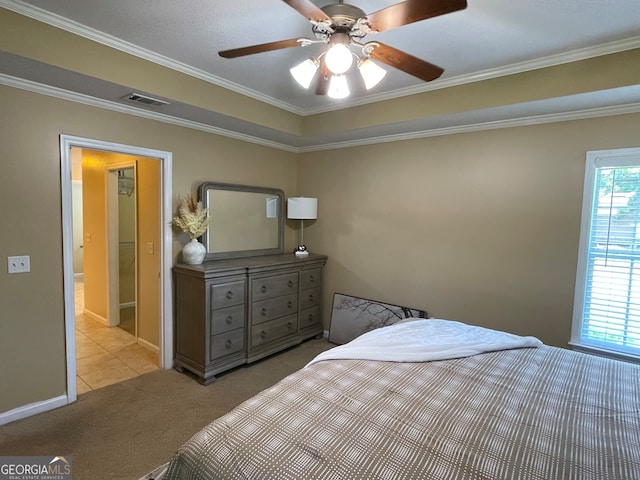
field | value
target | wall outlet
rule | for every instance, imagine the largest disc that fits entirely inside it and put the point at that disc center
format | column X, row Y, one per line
column 19, row 264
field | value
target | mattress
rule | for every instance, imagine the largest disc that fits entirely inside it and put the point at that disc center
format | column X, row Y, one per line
column 527, row 413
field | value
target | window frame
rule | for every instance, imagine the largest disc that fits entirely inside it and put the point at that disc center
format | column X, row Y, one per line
column 621, row 157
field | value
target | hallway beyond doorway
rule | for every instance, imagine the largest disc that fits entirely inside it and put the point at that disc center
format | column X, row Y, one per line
column 106, row 355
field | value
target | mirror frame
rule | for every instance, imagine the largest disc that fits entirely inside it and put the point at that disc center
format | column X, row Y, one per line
column 203, row 191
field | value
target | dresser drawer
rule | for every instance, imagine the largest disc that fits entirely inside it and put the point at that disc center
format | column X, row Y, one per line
column 310, row 278
column 273, row 330
column 309, row 298
column 227, row 294
column 310, row 317
column 227, row 343
column 273, row 308
column 269, row 287
column 225, row 319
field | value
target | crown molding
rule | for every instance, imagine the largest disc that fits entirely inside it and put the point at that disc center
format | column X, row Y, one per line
column 434, row 132
column 62, row 94
column 126, row 47
column 110, row 41
column 482, row 126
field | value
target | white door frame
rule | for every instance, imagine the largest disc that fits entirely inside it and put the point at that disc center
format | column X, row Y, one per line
column 166, row 308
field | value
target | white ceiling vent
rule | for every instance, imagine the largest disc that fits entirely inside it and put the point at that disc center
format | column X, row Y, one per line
column 145, row 100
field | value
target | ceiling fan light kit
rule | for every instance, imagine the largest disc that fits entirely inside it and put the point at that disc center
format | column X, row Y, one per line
column 305, row 71
column 338, row 87
column 342, row 26
column 338, row 58
column 371, row 73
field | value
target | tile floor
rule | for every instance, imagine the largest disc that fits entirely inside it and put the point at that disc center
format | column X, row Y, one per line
column 106, row 355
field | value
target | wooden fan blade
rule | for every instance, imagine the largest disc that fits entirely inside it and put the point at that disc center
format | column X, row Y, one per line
column 308, row 9
column 324, row 76
column 407, row 63
column 263, row 47
column 411, row 11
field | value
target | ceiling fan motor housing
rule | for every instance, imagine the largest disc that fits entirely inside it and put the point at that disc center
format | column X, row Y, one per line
column 343, row 15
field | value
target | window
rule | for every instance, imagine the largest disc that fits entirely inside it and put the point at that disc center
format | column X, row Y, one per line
column 606, row 314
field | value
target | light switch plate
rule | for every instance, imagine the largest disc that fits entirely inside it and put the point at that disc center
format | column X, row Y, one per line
column 19, row 264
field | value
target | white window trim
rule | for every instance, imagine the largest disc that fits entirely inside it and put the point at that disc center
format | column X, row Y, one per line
column 595, row 159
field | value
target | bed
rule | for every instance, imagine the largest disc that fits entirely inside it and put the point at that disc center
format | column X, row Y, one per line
column 475, row 408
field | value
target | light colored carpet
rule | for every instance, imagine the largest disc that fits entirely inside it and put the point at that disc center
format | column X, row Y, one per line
column 126, row 430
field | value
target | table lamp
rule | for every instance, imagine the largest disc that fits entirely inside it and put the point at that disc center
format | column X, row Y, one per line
column 302, row 208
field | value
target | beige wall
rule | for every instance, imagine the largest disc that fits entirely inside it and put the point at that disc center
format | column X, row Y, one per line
column 149, row 234
column 31, row 305
column 479, row 227
column 94, row 209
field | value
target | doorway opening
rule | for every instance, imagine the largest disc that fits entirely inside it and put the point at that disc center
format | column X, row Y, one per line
column 109, row 346
column 119, row 179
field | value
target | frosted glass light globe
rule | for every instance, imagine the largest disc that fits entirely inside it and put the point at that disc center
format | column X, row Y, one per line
column 338, row 59
column 371, row 73
column 304, row 72
column 338, row 87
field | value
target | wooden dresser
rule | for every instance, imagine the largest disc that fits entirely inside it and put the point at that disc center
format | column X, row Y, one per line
column 236, row 311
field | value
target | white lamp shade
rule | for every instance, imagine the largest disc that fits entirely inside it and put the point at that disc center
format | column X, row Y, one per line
column 371, row 73
column 338, row 87
column 303, row 208
column 338, row 58
column 304, row 72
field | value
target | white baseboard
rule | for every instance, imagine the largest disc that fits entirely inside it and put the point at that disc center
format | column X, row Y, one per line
column 148, row 345
column 127, row 305
column 95, row 316
column 33, row 409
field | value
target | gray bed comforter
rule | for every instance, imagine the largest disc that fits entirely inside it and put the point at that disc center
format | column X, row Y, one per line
column 532, row 413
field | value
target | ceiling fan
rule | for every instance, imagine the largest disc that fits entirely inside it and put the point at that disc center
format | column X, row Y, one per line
column 343, row 26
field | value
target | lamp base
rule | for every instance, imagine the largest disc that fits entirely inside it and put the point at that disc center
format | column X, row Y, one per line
column 301, row 250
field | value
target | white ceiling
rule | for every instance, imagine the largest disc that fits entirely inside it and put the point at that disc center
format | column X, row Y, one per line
column 489, row 38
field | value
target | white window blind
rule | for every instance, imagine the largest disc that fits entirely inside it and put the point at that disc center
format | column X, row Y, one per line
column 607, row 303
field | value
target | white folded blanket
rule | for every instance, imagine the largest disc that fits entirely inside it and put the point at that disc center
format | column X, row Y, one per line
column 423, row 340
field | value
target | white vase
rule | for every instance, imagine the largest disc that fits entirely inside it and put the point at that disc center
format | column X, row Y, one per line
column 193, row 252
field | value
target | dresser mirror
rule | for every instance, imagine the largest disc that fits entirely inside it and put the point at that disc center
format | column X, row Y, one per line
column 245, row 220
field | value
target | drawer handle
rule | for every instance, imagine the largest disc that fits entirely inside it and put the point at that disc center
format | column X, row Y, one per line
column 311, row 279
column 311, row 297
column 229, row 295
column 289, row 325
column 263, row 334
column 290, row 283
column 263, row 312
column 289, row 304
column 310, row 317
column 229, row 344
column 263, row 289
column 229, row 320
